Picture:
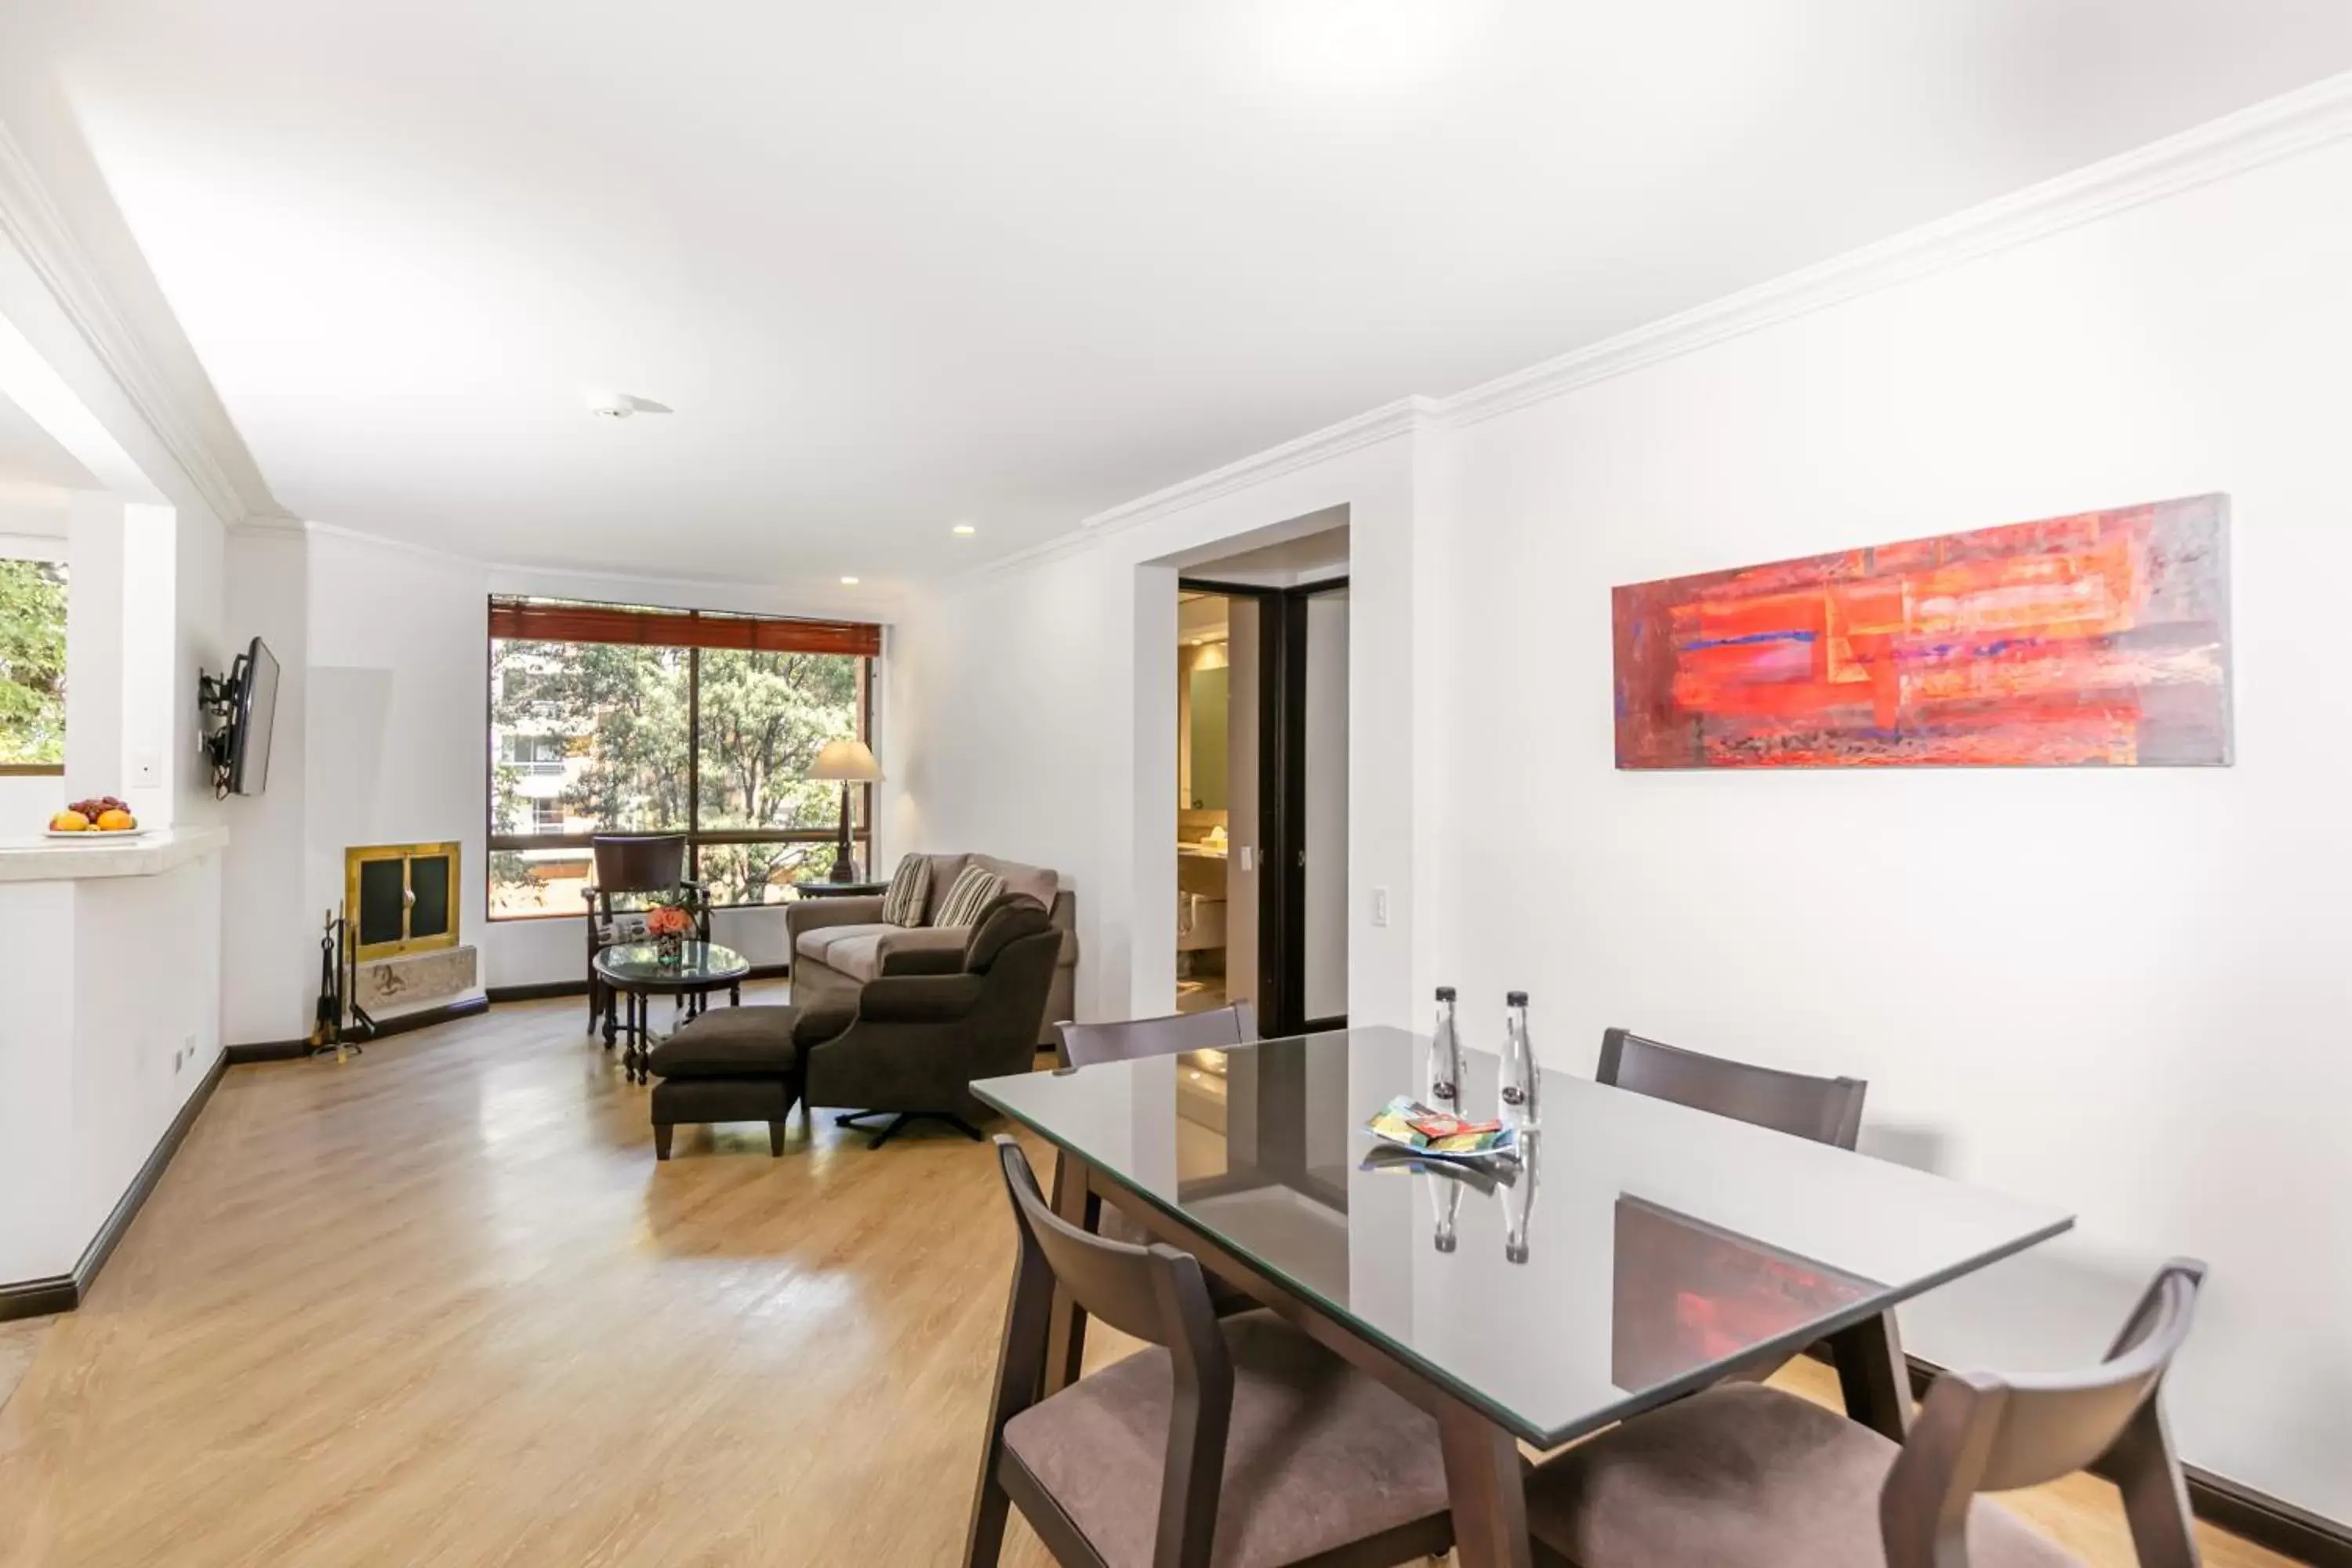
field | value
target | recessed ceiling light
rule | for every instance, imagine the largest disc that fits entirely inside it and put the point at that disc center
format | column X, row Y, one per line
column 849, row 582
column 963, row 530
column 622, row 405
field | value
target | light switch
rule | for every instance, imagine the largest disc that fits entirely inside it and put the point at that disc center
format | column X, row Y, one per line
column 1379, row 906
column 1249, row 859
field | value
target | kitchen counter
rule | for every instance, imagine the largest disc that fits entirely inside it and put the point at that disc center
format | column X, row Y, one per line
column 39, row 859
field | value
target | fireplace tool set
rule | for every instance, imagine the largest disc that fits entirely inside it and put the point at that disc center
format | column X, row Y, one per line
column 339, row 975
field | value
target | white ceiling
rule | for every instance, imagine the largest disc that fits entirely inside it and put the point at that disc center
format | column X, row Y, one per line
column 31, row 460
column 901, row 266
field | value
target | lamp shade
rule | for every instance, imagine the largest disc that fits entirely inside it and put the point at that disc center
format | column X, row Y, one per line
column 849, row 760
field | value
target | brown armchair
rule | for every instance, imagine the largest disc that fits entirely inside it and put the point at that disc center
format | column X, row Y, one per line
column 639, row 866
column 933, row 1021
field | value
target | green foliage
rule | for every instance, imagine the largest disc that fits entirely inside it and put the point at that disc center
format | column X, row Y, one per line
column 624, row 711
column 32, row 662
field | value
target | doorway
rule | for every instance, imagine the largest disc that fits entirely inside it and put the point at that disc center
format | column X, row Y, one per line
column 1261, row 820
column 1216, row 798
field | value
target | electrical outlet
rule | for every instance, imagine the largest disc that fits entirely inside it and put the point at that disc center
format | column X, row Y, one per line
column 186, row 1054
column 1379, row 906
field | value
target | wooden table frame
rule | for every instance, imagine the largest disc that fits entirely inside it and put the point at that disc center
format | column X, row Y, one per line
column 636, row 1028
column 1485, row 1477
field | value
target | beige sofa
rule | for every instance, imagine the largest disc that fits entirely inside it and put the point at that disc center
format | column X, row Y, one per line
column 838, row 944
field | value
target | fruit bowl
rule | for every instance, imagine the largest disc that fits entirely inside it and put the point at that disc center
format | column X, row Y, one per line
column 99, row 817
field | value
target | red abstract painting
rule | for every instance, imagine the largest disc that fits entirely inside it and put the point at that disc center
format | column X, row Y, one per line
column 2100, row 639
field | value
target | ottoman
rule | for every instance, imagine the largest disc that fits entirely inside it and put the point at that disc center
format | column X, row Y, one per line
column 732, row 1064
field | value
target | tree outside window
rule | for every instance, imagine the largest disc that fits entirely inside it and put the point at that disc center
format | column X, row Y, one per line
column 590, row 737
column 32, row 666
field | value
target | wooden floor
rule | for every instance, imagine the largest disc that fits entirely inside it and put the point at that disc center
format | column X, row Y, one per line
column 20, row 1342
column 439, row 1305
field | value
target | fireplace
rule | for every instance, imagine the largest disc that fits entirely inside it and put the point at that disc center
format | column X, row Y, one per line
column 401, row 898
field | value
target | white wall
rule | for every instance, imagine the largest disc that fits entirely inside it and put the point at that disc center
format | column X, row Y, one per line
column 27, row 802
column 1037, row 703
column 94, row 674
column 127, row 979
column 396, row 745
column 270, row 942
column 153, row 728
column 2122, row 992
column 382, row 738
column 993, row 691
column 198, row 601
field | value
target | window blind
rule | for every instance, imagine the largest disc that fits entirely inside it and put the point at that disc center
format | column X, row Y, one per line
column 557, row 620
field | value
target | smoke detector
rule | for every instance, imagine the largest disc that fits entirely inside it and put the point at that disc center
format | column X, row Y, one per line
column 620, row 405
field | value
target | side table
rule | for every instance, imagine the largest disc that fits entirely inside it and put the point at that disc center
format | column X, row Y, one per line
column 635, row 974
column 840, row 890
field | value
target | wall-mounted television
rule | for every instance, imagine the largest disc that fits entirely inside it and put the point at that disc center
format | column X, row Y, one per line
column 241, row 707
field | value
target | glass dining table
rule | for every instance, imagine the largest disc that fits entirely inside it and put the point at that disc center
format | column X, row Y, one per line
column 1638, row 1251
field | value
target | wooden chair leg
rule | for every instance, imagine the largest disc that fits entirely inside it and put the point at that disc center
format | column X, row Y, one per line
column 662, row 1131
column 775, row 1139
column 984, row 1542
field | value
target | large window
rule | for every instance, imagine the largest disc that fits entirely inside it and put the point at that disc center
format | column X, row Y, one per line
column 32, row 667
column 608, row 718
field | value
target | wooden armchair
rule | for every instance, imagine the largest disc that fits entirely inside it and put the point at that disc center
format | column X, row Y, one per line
column 633, row 866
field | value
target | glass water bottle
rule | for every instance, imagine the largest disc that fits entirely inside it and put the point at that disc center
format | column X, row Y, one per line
column 1444, row 1084
column 1446, row 1195
column 1519, row 1203
column 1522, row 1078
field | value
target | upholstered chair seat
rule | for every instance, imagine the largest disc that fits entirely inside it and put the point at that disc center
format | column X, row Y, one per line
column 1319, row 1456
column 1742, row 1476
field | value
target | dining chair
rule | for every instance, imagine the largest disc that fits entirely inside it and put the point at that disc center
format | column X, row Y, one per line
column 1083, row 1045
column 1747, row 1477
column 632, row 864
column 1826, row 1110
column 1240, row 1443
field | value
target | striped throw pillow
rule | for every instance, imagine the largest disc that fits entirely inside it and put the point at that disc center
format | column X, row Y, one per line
column 903, row 904
column 971, row 893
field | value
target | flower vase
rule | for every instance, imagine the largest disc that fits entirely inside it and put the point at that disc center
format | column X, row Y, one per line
column 669, row 950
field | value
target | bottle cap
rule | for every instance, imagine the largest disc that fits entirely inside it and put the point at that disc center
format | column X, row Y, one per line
column 1445, row 993
column 1516, row 999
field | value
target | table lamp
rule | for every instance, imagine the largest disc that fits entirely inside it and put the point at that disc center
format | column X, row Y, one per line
column 851, row 762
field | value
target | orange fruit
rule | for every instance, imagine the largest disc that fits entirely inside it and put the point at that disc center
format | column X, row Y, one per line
column 116, row 821
column 69, row 822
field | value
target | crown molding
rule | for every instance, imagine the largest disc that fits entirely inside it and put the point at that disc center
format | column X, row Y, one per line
column 883, row 607
column 1403, row 418
column 2279, row 127
column 1406, row 415
column 275, row 528
column 32, row 220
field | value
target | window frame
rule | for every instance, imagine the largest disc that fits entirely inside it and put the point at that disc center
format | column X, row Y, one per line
column 744, row 633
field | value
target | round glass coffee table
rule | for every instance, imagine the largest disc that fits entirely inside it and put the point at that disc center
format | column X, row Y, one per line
column 636, row 974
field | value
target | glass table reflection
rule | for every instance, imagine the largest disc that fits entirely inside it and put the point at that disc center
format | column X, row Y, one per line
column 637, row 972
column 1643, row 1249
